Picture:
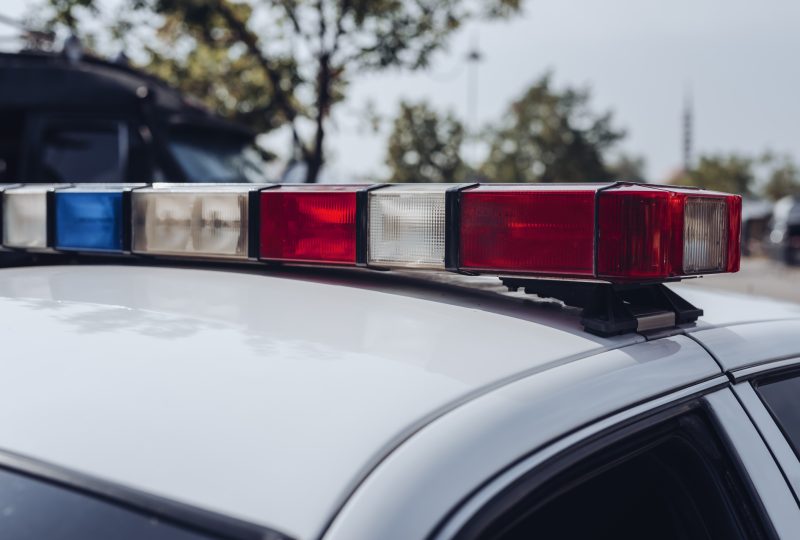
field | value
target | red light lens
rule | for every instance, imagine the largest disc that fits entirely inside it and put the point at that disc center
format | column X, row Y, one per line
column 643, row 233
column 734, row 232
column 526, row 229
column 316, row 225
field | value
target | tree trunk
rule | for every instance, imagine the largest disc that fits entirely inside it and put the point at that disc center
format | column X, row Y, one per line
column 316, row 157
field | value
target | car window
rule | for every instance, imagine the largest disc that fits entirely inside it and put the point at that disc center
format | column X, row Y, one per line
column 671, row 481
column 216, row 157
column 75, row 153
column 34, row 509
column 782, row 398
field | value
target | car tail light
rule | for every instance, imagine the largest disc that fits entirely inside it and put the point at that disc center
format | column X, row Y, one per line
column 201, row 220
column 25, row 217
column 309, row 224
column 93, row 217
column 406, row 226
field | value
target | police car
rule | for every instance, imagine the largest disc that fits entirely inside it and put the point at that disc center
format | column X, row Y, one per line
column 183, row 362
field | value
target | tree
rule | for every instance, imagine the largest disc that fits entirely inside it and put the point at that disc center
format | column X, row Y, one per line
column 730, row 173
column 550, row 136
column 783, row 179
column 425, row 146
column 285, row 62
column 628, row 168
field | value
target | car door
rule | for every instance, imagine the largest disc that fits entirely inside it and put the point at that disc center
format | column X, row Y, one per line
column 696, row 468
column 770, row 393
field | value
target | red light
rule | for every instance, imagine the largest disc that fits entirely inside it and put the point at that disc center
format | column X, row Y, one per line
column 642, row 231
column 615, row 233
column 312, row 224
column 528, row 229
column 734, row 232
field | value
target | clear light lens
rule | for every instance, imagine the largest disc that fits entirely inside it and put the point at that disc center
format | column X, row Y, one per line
column 407, row 226
column 201, row 223
column 705, row 235
column 25, row 217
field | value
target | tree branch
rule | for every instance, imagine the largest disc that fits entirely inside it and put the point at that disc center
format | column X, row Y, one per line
column 250, row 40
column 323, row 99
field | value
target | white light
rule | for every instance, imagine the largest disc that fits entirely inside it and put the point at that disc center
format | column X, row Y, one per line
column 705, row 235
column 25, row 216
column 201, row 221
column 407, row 226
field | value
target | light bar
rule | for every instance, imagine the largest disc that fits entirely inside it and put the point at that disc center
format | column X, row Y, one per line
column 613, row 232
column 309, row 224
column 93, row 218
column 195, row 220
column 25, row 217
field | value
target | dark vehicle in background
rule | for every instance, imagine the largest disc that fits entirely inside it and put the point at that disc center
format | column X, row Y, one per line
column 783, row 239
column 77, row 118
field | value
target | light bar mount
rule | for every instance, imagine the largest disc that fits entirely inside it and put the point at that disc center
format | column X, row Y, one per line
column 614, row 308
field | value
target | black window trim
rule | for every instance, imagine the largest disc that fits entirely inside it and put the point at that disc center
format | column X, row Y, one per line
column 535, row 477
column 176, row 513
column 773, row 368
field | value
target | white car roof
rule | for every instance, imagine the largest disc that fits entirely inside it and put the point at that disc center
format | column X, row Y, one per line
column 265, row 396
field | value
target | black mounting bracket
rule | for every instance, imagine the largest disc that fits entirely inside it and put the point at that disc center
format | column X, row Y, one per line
column 614, row 308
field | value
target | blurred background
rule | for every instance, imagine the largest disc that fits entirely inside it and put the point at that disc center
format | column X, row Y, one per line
column 692, row 93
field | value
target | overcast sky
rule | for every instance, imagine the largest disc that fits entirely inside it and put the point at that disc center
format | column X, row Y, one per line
column 738, row 58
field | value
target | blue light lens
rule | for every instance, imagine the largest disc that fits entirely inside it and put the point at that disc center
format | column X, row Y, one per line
column 89, row 221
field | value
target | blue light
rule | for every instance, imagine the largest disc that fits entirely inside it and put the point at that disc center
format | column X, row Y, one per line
column 89, row 221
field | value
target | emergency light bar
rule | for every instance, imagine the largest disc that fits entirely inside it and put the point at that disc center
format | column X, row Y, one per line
column 615, row 232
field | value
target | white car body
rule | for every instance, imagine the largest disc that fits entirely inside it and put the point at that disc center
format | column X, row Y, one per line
column 348, row 404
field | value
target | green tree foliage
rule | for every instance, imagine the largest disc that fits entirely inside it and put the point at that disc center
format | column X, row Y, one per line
column 769, row 176
column 731, row 173
column 549, row 135
column 783, row 179
column 425, row 146
column 275, row 62
column 628, row 168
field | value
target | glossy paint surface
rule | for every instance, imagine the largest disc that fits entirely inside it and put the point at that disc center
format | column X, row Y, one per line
column 427, row 476
column 278, row 396
column 266, row 398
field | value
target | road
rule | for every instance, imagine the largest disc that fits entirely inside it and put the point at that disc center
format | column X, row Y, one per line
column 760, row 277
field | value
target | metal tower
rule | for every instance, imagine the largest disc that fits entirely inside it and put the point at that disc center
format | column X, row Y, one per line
column 688, row 125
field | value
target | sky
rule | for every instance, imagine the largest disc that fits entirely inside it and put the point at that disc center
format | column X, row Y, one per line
column 640, row 58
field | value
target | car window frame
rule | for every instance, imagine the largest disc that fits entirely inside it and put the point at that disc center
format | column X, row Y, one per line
column 745, row 382
column 550, row 462
column 168, row 510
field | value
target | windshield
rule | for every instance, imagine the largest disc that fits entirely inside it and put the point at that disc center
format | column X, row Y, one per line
column 217, row 157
